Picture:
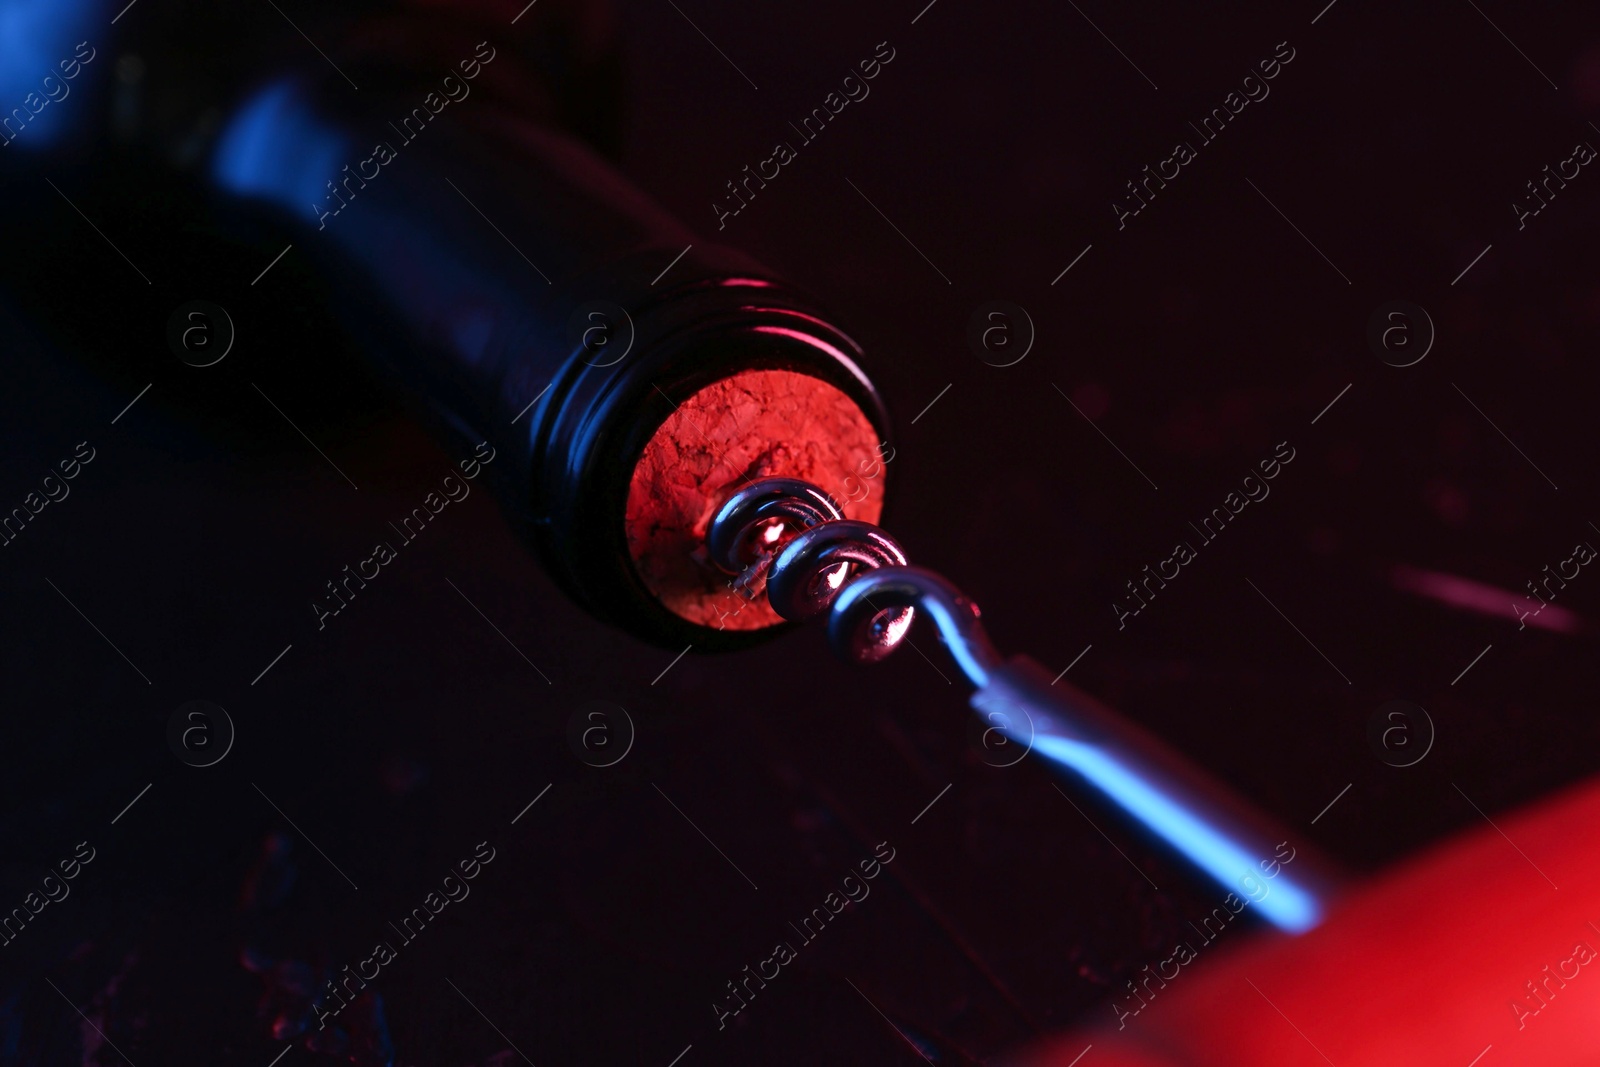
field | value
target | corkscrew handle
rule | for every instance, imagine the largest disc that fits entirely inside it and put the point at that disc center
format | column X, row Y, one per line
column 875, row 595
column 1211, row 827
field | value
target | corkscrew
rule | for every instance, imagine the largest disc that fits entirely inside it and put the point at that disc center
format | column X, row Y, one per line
column 610, row 460
column 793, row 538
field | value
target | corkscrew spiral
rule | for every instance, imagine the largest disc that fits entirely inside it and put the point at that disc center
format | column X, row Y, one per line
column 794, row 535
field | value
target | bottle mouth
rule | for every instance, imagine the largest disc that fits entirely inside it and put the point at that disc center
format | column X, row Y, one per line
column 753, row 424
column 726, row 382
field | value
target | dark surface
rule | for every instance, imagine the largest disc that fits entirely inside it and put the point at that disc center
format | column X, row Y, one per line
column 1197, row 338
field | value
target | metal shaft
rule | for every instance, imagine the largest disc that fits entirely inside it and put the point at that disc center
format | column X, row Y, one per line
column 1230, row 841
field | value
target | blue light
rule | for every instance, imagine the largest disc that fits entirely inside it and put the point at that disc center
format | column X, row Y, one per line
column 274, row 148
column 36, row 36
column 1286, row 905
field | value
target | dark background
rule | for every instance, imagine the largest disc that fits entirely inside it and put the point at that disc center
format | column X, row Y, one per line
column 1197, row 338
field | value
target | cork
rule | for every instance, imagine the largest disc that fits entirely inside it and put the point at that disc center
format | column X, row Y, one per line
column 754, row 424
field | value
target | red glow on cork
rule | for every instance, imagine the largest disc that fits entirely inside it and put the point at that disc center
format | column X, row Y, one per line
column 755, row 424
